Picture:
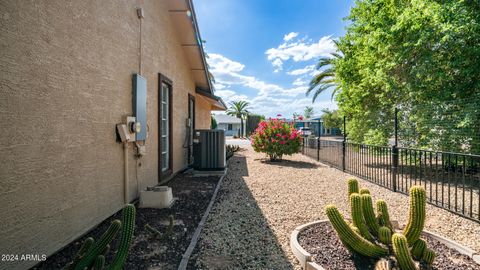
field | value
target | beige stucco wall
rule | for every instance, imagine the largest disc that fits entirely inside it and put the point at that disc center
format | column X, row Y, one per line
column 202, row 113
column 65, row 81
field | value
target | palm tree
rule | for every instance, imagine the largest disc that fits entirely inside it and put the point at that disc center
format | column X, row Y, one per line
column 239, row 109
column 308, row 113
column 326, row 78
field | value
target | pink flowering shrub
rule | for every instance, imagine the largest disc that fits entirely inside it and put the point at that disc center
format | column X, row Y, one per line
column 276, row 138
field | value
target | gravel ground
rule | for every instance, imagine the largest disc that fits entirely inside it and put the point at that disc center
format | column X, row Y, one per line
column 260, row 203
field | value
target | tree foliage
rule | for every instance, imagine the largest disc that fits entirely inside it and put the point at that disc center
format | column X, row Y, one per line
column 239, row 109
column 420, row 56
column 331, row 119
column 308, row 112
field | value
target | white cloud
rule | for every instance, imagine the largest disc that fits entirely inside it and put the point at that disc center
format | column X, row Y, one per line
column 301, row 71
column 299, row 82
column 269, row 98
column 300, row 50
column 290, row 35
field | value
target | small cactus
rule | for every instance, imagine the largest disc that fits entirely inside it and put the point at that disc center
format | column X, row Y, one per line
column 428, row 256
column 382, row 265
column 99, row 246
column 357, row 216
column 83, row 249
column 352, row 186
column 156, row 233
column 418, row 248
column 385, row 235
column 400, row 250
column 369, row 214
column 364, row 191
column 128, row 223
column 99, row 263
column 416, row 217
column 353, row 240
column 382, row 214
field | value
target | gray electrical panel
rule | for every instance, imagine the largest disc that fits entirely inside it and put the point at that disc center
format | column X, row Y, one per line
column 140, row 105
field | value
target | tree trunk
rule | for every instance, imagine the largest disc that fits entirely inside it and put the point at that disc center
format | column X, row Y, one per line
column 241, row 127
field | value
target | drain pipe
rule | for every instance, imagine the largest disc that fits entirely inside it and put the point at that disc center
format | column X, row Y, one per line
column 125, row 152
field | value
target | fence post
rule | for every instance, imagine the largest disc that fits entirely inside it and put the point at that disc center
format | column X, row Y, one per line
column 344, row 142
column 395, row 154
column 318, row 140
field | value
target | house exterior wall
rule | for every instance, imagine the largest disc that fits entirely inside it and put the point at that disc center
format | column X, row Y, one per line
column 202, row 113
column 65, row 82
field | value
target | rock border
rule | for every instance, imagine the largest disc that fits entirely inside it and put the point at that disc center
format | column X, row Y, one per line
column 305, row 258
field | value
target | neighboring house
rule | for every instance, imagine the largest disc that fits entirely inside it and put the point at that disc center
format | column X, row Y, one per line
column 316, row 126
column 65, row 82
column 230, row 124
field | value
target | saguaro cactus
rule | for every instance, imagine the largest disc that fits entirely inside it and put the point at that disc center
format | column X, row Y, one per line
column 357, row 215
column 382, row 214
column 99, row 246
column 353, row 240
column 416, row 215
column 128, row 221
column 352, row 186
column 400, row 250
column 385, row 235
column 369, row 214
column 418, row 248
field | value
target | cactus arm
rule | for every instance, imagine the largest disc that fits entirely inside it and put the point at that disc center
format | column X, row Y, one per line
column 369, row 214
column 99, row 246
column 418, row 248
column 400, row 250
column 364, row 191
column 354, row 241
column 416, row 216
column 385, row 235
column 357, row 216
column 382, row 214
column 428, row 256
column 83, row 249
column 352, row 186
column 128, row 224
column 99, row 263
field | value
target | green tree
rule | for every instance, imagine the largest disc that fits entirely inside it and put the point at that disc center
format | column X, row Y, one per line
column 213, row 123
column 308, row 112
column 239, row 109
column 331, row 119
column 420, row 56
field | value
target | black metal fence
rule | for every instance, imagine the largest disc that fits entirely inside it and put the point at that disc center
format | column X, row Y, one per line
column 451, row 180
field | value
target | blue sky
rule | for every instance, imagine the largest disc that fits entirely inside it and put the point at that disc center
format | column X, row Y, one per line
column 264, row 51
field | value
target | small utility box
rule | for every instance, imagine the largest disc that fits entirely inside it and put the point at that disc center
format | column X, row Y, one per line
column 156, row 197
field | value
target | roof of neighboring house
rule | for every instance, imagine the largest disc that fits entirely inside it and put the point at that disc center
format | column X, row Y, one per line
column 182, row 14
column 226, row 119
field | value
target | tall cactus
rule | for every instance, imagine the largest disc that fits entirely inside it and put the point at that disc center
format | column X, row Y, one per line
column 128, row 224
column 352, row 186
column 418, row 248
column 382, row 214
column 385, row 235
column 99, row 246
column 357, row 216
column 400, row 250
column 369, row 214
column 416, row 216
column 354, row 240
column 428, row 256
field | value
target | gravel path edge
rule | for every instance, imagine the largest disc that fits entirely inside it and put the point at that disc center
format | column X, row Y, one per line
column 186, row 256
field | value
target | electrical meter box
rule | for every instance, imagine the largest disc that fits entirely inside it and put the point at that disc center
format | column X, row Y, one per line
column 140, row 106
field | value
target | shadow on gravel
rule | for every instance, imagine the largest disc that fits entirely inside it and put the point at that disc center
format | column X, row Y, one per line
column 291, row 163
column 237, row 234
